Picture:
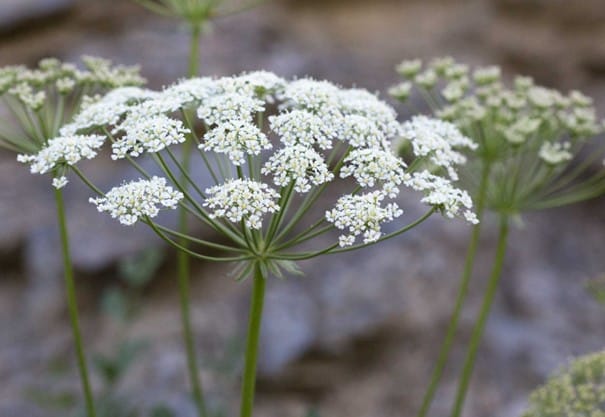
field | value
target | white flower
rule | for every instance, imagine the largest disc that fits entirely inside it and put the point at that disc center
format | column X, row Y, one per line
column 409, row 68
column 437, row 140
column 60, row 182
column 298, row 163
column 302, row 127
column 63, row 150
column 554, row 153
column 318, row 97
column 148, row 134
column 229, row 106
column 108, row 110
column 361, row 132
column 370, row 166
column 142, row 198
column 237, row 138
column 262, row 84
column 189, row 91
column 361, row 214
column 242, row 199
column 440, row 192
column 362, row 102
column 401, row 91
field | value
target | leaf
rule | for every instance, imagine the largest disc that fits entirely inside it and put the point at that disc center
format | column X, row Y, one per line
column 138, row 270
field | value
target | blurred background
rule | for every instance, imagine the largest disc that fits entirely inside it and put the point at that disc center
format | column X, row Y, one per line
column 357, row 335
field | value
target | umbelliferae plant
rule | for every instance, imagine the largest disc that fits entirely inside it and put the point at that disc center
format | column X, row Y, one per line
column 40, row 101
column 536, row 149
column 578, row 390
column 273, row 148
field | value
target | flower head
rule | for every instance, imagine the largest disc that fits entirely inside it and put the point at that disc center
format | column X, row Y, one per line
column 578, row 390
column 63, row 150
column 362, row 215
column 138, row 199
column 526, row 135
column 238, row 200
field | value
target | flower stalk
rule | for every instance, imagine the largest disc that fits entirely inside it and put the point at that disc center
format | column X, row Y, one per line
column 70, row 289
column 252, row 342
column 488, row 299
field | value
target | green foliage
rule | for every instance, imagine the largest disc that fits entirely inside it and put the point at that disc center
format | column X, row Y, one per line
column 596, row 288
column 135, row 272
column 576, row 391
column 113, row 367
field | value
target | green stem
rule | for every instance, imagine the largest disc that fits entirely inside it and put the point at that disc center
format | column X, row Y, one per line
column 72, row 305
column 471, row 252
column 488, row 300
column 183, row 272
column 194, row 50
column 254, row 325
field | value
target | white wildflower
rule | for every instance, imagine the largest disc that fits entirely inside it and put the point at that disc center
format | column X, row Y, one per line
column 262, row 84
column 372, row 166
column 318, row 97
column 361, row 214
column 148, row 134
column 437, row 140
column 409, row 68
column 363, row 103
column 143, row 198
column 440, row 192
column 361, row 132
column 242, row 200
column 108, row 110
column 63, row 150
column 554, row 153
column 60, row 182
column 237, row 138
column 426, row 79
column 229, row 106
column 300, row 164
column 401, row 91
column 302, row 127
column 487, row 75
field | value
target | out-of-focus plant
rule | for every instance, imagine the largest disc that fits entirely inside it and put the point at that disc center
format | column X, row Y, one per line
column 536, row 148
column 261, row 204
column 39, row 101
column 197, row 15
column 578, row 390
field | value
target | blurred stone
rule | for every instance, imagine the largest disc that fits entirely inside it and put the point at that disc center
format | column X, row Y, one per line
column 16, row 13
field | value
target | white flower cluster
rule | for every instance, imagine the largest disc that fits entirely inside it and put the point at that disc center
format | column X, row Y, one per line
column 370, row 166
column 106, row 111
column 361, row 132
column 300, row 164
column 440, row 192
column 438, row 140
column 302, row 127
column 361, row 215
column 227, row 107
column 63, row 150
column 236, row 138
column 148, row 134
column 554, row 153
column 242, row 200
column 143, row 198
column 312, row 117
column 32, row 86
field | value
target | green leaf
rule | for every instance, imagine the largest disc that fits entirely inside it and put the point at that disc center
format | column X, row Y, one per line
column 138, row 270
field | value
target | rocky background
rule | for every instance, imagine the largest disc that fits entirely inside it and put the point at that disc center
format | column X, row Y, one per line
column 358, row 334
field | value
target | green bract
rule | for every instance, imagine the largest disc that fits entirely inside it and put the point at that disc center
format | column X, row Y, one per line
column 537, row 145
column 576, row 391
